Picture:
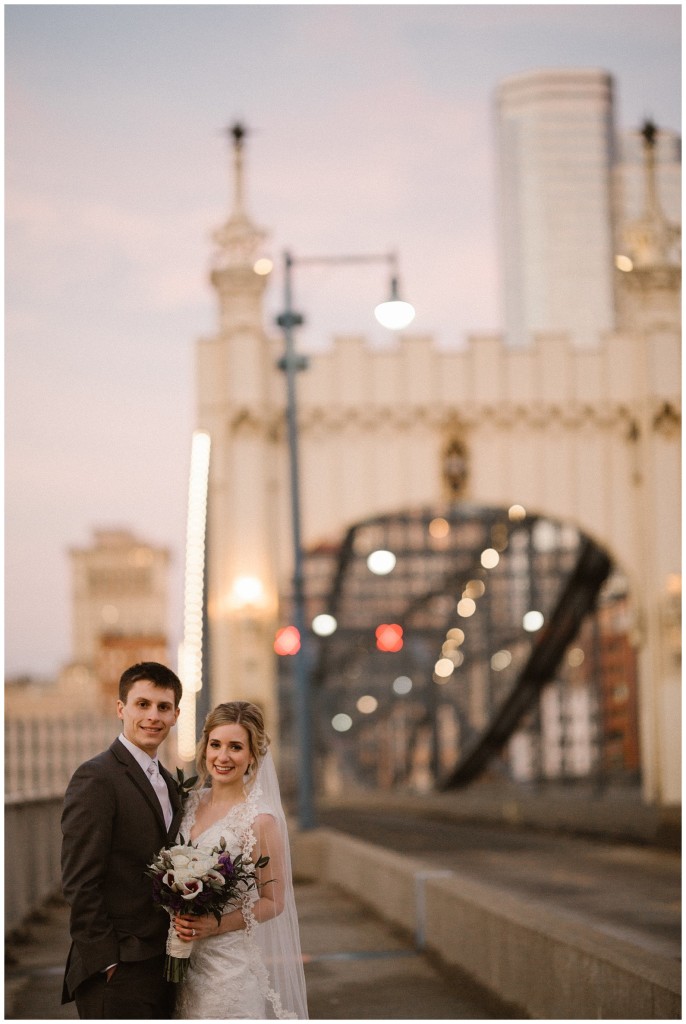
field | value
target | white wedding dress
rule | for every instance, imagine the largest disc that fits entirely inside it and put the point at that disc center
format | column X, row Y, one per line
column 227, row 977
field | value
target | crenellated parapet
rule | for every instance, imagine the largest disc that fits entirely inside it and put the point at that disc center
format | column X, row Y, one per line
column 552, row 381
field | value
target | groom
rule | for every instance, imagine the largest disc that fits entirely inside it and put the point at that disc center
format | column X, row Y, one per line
column 116, row 816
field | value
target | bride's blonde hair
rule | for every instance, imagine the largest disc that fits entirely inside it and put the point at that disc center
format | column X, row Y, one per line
column 234, row 712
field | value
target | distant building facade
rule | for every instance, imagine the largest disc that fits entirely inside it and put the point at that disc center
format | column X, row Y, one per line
column 581, row 425
column 120, row 605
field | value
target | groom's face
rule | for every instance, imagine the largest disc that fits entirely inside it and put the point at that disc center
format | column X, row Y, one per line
column 148, row 715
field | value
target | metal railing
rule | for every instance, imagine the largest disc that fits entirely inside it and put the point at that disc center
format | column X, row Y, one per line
column 41, row 754
column 40, row 758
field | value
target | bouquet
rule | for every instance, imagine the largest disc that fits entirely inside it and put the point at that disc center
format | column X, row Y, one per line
column 197, row 880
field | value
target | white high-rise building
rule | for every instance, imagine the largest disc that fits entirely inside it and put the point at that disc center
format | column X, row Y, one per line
column 555, row 141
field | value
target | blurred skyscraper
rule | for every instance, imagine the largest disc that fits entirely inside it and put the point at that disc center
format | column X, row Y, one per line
column 555, row 130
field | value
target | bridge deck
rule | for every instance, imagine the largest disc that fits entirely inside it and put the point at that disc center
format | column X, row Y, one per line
column 356, row 967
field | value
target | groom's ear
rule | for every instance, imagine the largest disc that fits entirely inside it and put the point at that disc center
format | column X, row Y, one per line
column 120, row 709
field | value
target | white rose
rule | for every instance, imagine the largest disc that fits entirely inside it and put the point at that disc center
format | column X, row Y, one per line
column 179, row 850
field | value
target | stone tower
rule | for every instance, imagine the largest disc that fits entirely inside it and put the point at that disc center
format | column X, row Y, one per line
column 233, row 368
column 649, row 309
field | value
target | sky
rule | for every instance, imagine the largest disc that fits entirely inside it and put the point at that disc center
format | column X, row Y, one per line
column 371, row 129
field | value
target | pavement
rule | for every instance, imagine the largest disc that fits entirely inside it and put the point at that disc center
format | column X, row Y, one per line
column 356, row 967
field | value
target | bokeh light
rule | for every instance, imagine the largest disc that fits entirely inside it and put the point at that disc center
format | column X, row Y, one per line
column 263, row 266
column 381, row 562
column 402, row 685
column 439, row 528
column 475, row 589
column 287, row 641
column 389, row 636
column 575, row 657
column 532, row 621
column 501, row 660
column 489, row 558
column 324, row 625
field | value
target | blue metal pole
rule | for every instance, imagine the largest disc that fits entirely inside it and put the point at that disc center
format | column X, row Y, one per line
column 303, row 711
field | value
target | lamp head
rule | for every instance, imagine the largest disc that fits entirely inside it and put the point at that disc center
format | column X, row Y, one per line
column 394, row 314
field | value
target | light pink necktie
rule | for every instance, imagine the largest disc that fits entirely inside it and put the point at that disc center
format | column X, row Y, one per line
column 160, row 787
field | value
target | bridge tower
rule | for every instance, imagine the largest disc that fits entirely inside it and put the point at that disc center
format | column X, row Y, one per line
column 649, row 306
column 233, row 368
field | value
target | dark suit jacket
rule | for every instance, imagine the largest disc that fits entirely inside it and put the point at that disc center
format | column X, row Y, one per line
column 112, row 825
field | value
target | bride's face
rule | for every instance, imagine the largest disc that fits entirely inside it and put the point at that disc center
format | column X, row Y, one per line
column 228, row 754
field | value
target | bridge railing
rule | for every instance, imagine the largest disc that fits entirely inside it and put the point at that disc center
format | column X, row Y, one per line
column 40, row 757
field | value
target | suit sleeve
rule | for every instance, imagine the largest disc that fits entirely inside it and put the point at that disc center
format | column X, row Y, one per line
column 87, row 827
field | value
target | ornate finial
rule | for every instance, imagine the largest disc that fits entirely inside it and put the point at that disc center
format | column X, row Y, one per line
column 649, row 133
column 238, row 132
column 239, row 239
column 651, row 240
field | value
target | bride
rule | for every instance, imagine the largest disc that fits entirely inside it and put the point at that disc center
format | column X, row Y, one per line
column 249, row 966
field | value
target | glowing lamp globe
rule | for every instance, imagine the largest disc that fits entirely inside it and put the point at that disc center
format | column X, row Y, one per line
column 394, row 314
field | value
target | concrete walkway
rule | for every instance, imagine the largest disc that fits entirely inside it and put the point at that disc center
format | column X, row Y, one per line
column 356, row 967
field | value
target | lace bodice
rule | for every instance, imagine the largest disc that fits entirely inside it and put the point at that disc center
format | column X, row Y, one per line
column 236, row 827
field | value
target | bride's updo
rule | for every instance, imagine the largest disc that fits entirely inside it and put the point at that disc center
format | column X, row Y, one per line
column 234, row 712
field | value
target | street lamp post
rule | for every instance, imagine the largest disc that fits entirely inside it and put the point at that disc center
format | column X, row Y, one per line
column 394, row 314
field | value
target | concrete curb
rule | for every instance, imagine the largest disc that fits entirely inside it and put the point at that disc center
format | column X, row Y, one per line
column 613, row 815
column 551, row 967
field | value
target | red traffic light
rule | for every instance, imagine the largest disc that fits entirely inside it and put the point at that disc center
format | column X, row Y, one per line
column 389, row 636
column 287, row 640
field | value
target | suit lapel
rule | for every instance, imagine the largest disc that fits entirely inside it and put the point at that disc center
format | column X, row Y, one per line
column 138, row 777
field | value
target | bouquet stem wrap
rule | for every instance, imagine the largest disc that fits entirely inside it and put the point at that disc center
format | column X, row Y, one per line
column 178, row 953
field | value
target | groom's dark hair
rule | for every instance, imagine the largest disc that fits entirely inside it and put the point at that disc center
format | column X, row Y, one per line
column 158, row 675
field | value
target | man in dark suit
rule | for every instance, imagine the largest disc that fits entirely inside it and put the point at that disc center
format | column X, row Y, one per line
column 116, row 816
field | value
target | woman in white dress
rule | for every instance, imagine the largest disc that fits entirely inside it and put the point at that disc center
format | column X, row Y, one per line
column 248, row 966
